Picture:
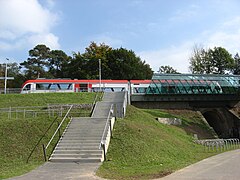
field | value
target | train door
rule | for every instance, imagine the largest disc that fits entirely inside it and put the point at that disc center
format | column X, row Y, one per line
column 77, row 88
column 83, row 87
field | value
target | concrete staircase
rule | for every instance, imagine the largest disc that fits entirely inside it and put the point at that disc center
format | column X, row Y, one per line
column 81, row 139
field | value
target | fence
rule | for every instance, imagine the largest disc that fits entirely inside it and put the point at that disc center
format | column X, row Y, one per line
column 10, row 90
column 51, row 110
column 219, row 144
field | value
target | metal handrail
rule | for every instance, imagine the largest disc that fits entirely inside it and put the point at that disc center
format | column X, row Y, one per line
column 57, row 130
column 41, row 139
column 58, row 127
column 94, row 103
column 219, row 144
column 106, row 126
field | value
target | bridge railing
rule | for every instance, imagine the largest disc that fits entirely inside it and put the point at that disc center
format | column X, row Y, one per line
column 219, row 144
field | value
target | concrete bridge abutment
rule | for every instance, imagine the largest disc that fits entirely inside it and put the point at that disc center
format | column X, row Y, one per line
column 223, row 121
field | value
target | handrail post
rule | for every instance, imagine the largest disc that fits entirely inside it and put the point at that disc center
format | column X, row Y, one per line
column 104, row 151
column 59, row 133
column 44, row 153
column 110, row 126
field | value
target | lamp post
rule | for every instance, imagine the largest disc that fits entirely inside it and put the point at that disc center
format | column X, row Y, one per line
column 5, row 79
column 100, row 75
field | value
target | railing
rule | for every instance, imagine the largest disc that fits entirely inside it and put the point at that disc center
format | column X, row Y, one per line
column 108, row 125
column 41, row 138
column 125, row 102
column 57, row 130
column 95, row 100
column 219, row 144
column 10, row 90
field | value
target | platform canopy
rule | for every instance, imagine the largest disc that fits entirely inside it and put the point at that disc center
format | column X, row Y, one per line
column 194, row 84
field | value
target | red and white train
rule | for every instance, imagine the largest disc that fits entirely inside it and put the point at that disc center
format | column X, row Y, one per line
column 67, row 85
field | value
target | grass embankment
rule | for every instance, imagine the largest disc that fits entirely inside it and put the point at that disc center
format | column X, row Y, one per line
column 19, row 135
column 142, row 148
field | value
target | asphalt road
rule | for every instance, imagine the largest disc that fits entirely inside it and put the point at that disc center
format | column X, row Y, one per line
column 225, row 166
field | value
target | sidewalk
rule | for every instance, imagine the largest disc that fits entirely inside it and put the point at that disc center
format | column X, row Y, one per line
column 62, row 171
column 225, row 166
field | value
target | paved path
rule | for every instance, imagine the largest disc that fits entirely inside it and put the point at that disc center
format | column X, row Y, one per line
column 225, row 166
column 62, row 171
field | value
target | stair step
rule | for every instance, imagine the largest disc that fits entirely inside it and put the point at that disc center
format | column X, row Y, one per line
column 81, row 138
column 82, row 160
column 78, row 145
column 76, row 148
column 79, row 156
column 78, row 151
column 83, row 132
column 80, row 141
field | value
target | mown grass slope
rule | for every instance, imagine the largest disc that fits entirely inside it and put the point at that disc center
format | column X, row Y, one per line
column 142, row 148
column 18, row 136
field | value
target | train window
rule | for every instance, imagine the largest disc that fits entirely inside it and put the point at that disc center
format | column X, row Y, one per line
column 27, row 87
column 41, row 86
column 65, row 86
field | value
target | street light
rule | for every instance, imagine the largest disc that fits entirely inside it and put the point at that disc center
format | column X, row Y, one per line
column 100, row 75
column 5, row 79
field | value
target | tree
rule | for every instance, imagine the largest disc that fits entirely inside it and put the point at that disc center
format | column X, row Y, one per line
column 57, row 61
column 92, row 55
column 14, row 71
column 216, row 61
column 168, row 70
column 200, row 61
column 36, row 65
column 236, row 67
column 76, row 67
column 222, row 60
column 124, row 64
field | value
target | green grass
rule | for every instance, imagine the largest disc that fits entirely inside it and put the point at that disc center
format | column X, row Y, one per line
column 42, row 99
column 142, row 148
column 18, row 136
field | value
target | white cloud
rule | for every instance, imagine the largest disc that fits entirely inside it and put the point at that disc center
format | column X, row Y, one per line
column 50, row 39
column 175, row 56
column 22, row 20
column 227, row 35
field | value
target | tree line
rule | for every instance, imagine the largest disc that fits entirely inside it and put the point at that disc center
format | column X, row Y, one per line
column 43, row 62
column 213, row 61
column 119, row 63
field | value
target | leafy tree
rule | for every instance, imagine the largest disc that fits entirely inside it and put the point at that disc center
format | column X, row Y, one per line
column 222, row 60
column 236, row 67
column 76, row 67
column 57, row 61
column 167, row 70
column 200, row 61
column 36, row 65
column 216, row 61
column 124, row 64
column 14, row 71
column 92, row 55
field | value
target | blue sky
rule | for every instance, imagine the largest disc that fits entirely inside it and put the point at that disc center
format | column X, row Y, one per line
column 161, row 32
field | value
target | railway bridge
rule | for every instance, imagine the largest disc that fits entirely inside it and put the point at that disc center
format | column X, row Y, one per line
column 215, row 96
